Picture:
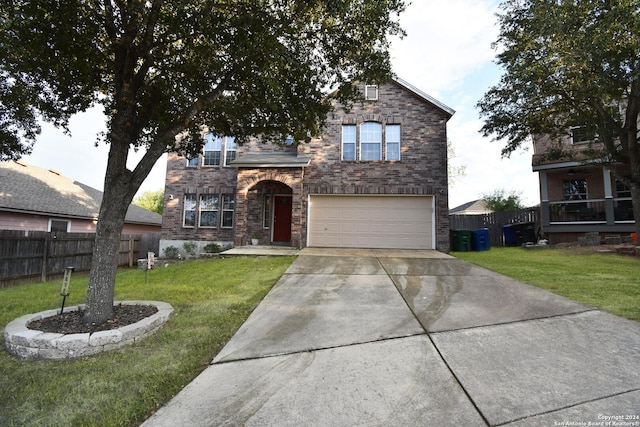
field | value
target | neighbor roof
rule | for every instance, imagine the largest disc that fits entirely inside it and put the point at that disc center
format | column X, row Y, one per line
column 475, row 207
column 30, row 189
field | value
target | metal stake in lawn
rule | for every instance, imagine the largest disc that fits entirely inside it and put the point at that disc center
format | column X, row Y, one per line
column 65, row 285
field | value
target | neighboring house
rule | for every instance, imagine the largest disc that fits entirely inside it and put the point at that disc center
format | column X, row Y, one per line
column 377, row 178
column 579, row 195
column 475, row 207
column 37, row 199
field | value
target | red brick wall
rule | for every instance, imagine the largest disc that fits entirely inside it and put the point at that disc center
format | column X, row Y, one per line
column 422, row 170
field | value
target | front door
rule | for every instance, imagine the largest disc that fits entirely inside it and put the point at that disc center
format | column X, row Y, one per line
column 282, row 219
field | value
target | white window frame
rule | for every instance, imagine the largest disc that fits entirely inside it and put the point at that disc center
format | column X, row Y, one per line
column 366, row 140
column 197, row 162
column 213, row 144
column 52, row 220
column 206, row 206
column 189, row 201
column 353, row 132
column 371, row 92
column 392, row 141
column 226, row 210
column 229, row 148
column 582, row 130
column 266, row 211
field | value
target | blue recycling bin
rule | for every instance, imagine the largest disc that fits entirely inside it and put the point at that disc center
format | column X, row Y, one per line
column 509, row 236
column 480, row 240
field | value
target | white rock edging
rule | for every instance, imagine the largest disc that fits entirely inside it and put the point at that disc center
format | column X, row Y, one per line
column 30, row 344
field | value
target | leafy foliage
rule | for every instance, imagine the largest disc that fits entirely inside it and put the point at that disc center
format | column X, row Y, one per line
column 166, row 69
column 566, row 64
column 570, row 63
column 152, row 200
column 500, row 201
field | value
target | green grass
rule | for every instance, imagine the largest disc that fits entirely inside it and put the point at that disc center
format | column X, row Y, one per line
column 607, row 281
column 211, row 299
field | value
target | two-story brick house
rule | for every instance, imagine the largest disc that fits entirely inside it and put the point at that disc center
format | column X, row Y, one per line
column 580, row 194
column 376, row 178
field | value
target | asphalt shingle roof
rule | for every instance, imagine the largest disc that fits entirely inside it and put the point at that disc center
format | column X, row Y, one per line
column 31, row 189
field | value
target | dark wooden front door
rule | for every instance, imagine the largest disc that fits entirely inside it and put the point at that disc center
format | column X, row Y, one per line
column 282, row 219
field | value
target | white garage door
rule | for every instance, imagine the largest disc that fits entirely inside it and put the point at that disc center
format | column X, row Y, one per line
column 404, row 222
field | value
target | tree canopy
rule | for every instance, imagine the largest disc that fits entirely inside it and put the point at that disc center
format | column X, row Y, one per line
column 152, row 200
column 499, row 200
column 567, row 63
column 164, row 69
column 570, row 63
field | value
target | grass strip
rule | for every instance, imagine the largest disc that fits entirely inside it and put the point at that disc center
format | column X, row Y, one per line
column 211, row 299
column 607, row 281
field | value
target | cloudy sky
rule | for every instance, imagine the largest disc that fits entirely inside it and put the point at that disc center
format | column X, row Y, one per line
column 446, row 53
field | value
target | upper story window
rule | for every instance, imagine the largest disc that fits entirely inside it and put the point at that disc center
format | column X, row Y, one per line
column 371, row 92
column 212, row 150
column 349, row 142
column 230, row 149
column 367, row 142
column 581, row 134
column 371, row 141
column 392, row 133
column 574, row 189
column 193, row 162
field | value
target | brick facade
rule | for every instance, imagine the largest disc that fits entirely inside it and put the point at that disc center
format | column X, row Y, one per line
column 421, row 170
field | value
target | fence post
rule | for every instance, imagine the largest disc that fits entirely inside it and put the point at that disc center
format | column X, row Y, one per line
column 43, row 275
column 130, row 251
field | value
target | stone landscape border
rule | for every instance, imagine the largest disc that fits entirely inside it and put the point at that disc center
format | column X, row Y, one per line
column 30, row 344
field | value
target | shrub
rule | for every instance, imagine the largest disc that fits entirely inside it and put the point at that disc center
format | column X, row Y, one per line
column 189, row 248
column 171, row 252
column 212, row 248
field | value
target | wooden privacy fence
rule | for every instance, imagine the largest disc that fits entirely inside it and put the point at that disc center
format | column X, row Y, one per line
column 495, row 222
column 32, row 256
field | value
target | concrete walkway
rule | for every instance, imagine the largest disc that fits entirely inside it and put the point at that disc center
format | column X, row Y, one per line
column 414, row 338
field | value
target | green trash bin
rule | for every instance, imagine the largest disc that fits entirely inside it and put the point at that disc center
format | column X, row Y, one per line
column 461, row 240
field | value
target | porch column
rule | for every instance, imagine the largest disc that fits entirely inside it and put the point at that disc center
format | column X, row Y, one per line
column 544, row 200
column 608, row 197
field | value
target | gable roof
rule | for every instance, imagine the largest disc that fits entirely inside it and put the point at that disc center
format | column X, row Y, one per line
column 30, row 189
column 475, row 207
column 408, row 86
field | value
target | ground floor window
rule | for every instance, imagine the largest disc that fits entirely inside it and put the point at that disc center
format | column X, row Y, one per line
column 209, row 210
column 189, row 218
column 228, row 208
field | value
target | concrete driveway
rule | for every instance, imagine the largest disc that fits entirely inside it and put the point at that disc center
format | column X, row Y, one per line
column 414, row 338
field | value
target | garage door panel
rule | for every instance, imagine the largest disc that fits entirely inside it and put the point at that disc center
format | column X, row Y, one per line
column 371, row 222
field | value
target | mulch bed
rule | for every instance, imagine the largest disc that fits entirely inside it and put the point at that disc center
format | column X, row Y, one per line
column 72, row 322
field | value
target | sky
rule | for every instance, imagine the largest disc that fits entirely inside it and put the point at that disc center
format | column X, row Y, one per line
column 446, row 53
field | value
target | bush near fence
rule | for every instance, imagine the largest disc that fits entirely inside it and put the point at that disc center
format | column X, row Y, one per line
column 495, row 221
column 38, row 256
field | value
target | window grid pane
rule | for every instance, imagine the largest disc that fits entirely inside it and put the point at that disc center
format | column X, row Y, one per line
column 208, row 211
column 393, row 142
column 348, row 142
column 228, row 207
column 371, row 141
column 230, row 150
column 189, row 210
column 212, row 151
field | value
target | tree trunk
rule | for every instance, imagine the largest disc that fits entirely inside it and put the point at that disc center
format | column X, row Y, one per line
column 104, row 265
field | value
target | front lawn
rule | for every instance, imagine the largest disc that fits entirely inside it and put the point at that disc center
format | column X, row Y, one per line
column 211, row 299
column 607, row 281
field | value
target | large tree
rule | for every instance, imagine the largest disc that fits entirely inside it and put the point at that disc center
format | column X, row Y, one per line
column 570, row 63
column 164, row 69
